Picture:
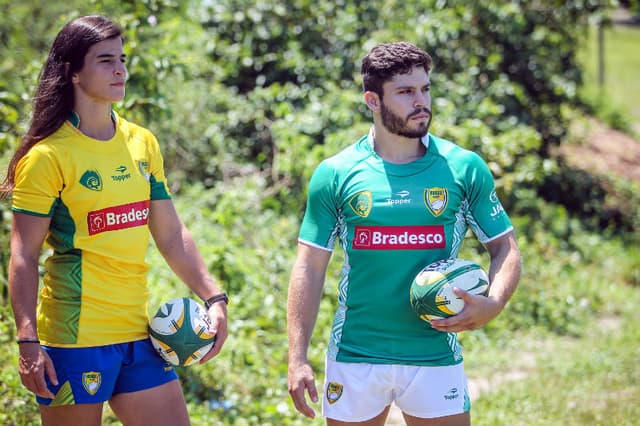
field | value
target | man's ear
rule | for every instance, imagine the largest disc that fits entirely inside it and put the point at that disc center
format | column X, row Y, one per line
column 372, row 100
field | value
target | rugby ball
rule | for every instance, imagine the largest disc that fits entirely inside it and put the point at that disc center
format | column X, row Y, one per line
column 431, row 295
column 180, row 331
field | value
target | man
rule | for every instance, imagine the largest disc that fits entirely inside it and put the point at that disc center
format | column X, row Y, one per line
column 397, row 200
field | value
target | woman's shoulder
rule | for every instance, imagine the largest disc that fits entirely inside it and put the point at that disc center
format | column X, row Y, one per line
column 133, row 130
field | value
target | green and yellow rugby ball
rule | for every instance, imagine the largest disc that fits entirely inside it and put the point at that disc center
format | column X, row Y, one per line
column 431, row 295
column 180, row 331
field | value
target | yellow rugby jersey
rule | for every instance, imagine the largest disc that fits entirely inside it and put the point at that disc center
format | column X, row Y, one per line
column 97, row 194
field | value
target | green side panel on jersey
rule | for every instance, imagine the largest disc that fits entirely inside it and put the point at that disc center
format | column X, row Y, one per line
column 65, row 270
column 62, row 229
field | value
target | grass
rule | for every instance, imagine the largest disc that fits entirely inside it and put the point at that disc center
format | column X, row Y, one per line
column 594, row 380
column 621, row 87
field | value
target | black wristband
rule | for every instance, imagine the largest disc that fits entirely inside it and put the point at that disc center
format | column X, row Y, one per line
column 19, row 341
column 222, row 297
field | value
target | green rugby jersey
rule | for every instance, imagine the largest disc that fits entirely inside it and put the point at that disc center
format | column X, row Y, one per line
column 391, row 220
column 97, row 194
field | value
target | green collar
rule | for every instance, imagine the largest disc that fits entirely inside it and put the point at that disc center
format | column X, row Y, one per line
column 74, row 118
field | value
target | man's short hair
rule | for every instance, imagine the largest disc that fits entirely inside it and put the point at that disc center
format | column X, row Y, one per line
column 387, row 60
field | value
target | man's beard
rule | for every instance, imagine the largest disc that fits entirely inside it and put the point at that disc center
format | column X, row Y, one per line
column 399, row 126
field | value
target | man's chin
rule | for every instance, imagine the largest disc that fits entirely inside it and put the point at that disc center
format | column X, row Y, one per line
column 414, row 134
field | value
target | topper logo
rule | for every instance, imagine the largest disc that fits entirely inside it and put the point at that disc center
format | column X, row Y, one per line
column 118, row 217
column 398, row 237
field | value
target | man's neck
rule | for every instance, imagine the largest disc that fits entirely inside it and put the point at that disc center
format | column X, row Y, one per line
column 395, row 148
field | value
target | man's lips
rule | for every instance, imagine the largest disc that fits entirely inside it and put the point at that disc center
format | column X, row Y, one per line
column 420, row 116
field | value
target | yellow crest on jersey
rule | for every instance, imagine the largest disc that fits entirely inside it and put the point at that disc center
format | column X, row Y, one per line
column 143, row 168
column 436, row 199
column 361, row 203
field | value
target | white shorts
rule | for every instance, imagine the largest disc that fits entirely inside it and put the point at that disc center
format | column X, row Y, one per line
column 355, row 392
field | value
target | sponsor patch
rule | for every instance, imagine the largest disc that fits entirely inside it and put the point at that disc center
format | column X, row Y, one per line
column 497, row 206
column 122, row 176
column 399, row 237
column 118, row 217
column 453, row 394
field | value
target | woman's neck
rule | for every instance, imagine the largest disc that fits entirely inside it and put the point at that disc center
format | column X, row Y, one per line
column 95, row 121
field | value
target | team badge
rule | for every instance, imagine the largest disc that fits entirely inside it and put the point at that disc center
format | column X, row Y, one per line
column 91, row 380
column 436, row 200
column 91, row 179
column 143, row 167
column 334, row 392
column 361, row 203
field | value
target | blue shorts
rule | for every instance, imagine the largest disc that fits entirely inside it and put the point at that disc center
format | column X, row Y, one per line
column 95, row 374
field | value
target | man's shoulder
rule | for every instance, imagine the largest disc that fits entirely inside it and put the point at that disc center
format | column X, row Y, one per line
column 445, row 146
column 451, row 151
column 349, row 155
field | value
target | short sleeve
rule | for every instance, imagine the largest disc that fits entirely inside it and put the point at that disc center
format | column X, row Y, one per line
column 487, row 217
column 38, row 182
column 157, row 178
column 321, row 215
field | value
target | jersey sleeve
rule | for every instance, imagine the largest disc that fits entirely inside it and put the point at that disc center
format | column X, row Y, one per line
column 38, row 182
column 157, row 178
column 320, row 220
column 487, row 218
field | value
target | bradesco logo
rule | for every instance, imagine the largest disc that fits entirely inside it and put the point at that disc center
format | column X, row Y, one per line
column 118, row 217
column 398, row 237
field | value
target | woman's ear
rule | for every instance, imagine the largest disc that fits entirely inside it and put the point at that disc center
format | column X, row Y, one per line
column 67, row 68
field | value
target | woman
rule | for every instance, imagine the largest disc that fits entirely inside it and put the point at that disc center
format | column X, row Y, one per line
column 93, row 186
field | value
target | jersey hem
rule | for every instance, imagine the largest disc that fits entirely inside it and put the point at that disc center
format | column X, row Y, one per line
column 309, row 243
column 386, row 361
column 97, row 345
column 488, row 240
column 29, row 212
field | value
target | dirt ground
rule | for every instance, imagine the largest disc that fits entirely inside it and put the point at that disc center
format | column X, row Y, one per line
column 602, row 151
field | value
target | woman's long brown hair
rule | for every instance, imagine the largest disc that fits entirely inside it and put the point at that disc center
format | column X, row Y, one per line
column 53, row 100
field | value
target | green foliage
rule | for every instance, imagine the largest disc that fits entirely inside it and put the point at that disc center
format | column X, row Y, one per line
column 251, row 253
column 247, row 96
column 611, row 101
column 17, row 405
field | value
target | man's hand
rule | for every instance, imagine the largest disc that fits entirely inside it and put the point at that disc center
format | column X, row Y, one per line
column 301, row 381
column 477, row 311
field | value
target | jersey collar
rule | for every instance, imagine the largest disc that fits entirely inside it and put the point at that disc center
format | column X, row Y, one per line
column 371, row 139
column 74, row 118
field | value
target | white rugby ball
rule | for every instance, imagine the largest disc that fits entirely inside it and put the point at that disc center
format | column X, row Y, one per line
column 431, row 295
column 180, row 331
